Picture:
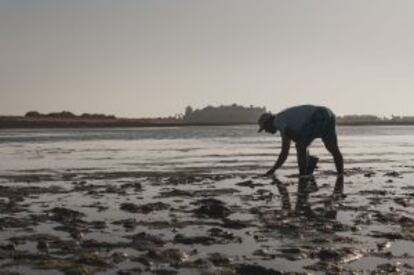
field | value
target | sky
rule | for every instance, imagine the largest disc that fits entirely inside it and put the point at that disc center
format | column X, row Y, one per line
column 153, row 58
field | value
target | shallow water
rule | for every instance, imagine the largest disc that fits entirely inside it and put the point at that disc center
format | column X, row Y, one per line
column 207, row 162
column 209, row 149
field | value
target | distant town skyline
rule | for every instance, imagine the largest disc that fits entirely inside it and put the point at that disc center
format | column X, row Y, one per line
column 154, row 58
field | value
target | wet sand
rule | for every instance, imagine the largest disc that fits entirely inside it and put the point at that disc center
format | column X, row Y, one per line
column 120, row 222
column 193, row 200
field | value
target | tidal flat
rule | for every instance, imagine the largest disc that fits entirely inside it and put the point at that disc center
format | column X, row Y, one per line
column 196, row 202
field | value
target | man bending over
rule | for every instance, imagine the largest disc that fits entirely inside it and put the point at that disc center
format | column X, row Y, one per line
column 303, row 124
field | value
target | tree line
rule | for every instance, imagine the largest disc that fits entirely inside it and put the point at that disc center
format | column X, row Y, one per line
column 225, row 114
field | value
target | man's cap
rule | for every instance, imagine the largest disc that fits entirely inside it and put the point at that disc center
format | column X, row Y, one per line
column 262, row 120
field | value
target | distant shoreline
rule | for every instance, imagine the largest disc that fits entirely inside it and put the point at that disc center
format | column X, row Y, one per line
column 29, row 123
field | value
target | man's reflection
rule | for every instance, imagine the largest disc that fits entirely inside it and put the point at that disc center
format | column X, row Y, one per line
column 305, row 187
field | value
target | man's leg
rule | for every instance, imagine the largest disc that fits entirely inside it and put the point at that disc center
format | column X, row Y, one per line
column 311, row 164
column 331, row 145
column 339, row 186
column 302, row 155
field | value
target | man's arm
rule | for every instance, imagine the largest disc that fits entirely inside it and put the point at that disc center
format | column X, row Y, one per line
column 286, row 141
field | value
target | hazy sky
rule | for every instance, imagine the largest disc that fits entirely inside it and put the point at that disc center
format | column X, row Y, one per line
column 149, row 58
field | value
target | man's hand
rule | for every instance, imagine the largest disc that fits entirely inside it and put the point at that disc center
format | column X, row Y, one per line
column 270, row 172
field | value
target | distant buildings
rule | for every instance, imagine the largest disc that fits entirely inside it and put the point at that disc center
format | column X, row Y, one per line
column 230, row 114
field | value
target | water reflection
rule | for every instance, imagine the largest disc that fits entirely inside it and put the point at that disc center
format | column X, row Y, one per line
column 303, row 206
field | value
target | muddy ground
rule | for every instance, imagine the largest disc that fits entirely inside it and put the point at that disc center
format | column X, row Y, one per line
column 195, row 223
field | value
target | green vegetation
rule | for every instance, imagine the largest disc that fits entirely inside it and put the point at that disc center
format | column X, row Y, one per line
column 375, row 120
column 67, row 115
column 222, row 115
column 230, row 114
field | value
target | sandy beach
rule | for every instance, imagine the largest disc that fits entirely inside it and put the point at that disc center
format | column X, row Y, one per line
column 193, row 201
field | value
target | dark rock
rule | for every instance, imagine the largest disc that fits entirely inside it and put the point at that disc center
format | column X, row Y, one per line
column 340, row 255
column 265, row 254
column 249, row 183
column 387, row 235
column 260, row 238
column 219, row 259
column 77, row 235
column 235, row 224
column 329, row 267
column 65, row 215
column 176, row 193
column 172, row 256
column 95, row 258
column 374, row 192
column 145, row 208
column 223, row 236
column 129, row 224
column 94, row 244
column 10, row 247
column 393, row 174
column 164, row 272
column 388, row 267
column 42, row 246
column 250, row 269
column 214, row 192
column 144, row 241
column 405, row 202
column 212, row 208
column 263, row 195
column 129, row 207
column 135, row 185
column 369, row 174
column 119, row 257
column 180, row 238
column 13, row 222
column 133, row 271
column 98, row 224
column 295, row 253
column 384, row 245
